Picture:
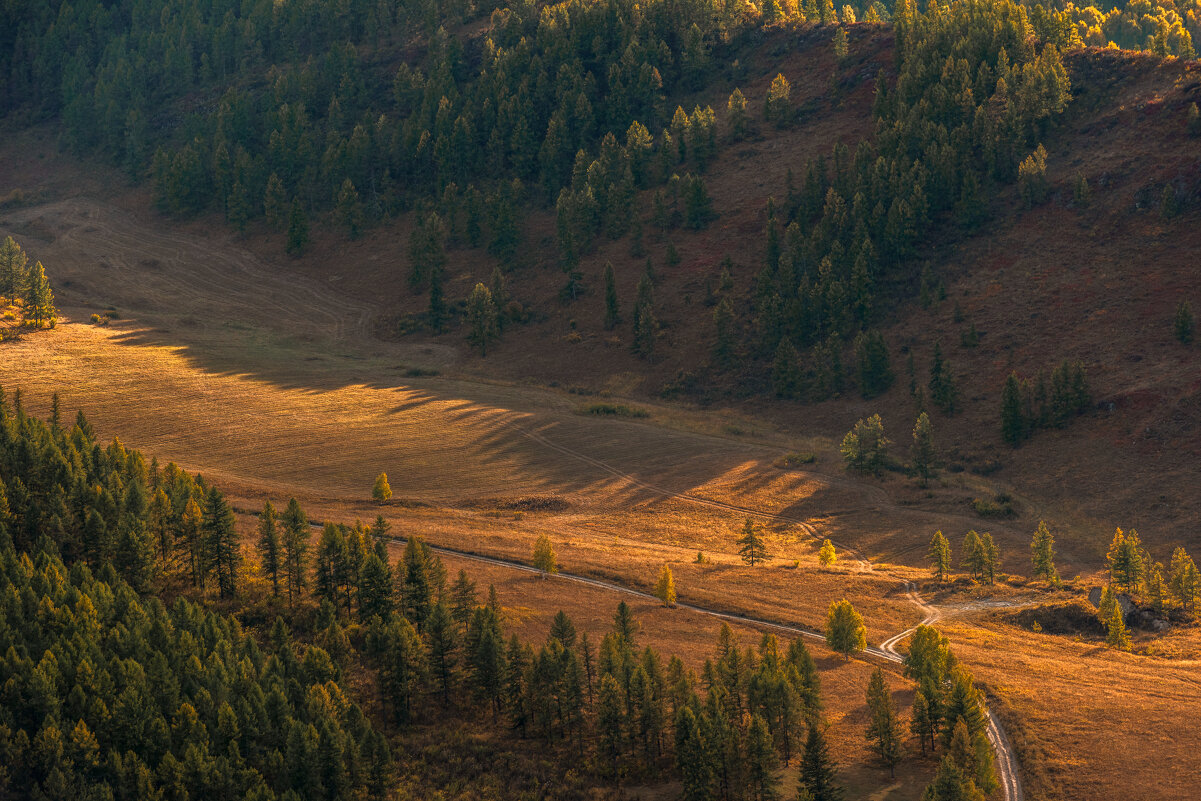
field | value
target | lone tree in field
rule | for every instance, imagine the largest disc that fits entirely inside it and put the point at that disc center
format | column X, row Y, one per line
column 845, row 632
column 665, row 589
column 382, row 491
column 884, row 728
column 544, row 556
column 482, row 324
column 922, row 450
column 864, row 445
column 826, row 554
column 1042, row 554
column 750, row 545
column 940, row 556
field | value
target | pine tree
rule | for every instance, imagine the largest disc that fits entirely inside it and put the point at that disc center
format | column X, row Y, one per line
column 298, row 229
column 940, row 556
column 221, row 541
column 864, row 446
column 610, row 725
column 818, row 774
column 1182, row 324
column 39, row 300
column 1117, row 637
column 786, row 371
column 826, row 555
column 13, row 273
column 1013, row 418
column 943, row 391
column 416, row 593
column 612, row 309
column 296, row 543
column 884, row 728
column 665, row 588
column 751, row 546
column 482, row 327
column 845, row 632
column 375, row 588
column 463, row 598
column 761, row 761
column 974, row 555
column 1184, row 581
column 736, row 115
column 381, row 492
column 692, row 756
column 1042, row 553
column 442, row 646
column 922, row 450
column 544, row 556
column 270, row 552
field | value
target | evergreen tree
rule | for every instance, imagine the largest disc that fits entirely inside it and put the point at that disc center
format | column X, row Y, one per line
column 39, row 300
column 463, row 598
column 482, row 326
column 1042, row 554
column 786, row 371
column 1126, row 560
column 610, row 726
column 270, row 551
column 845, row 632
column 884, row 728
column 751, row 546
column 275, row 202
column 723, row 322
column 991, row 558
column 416, row 592
column 826, row 555
column 818, row 773
column 612, row 309
column 939, row 556
column 221, row 541
column 922, row 450
column 1106, row 605
column 381, row 492
column 692, row 756
column 435, row 311
column 777, row 106
column 975, row 557
column 544, row 556
column 562, row 629
column 943, row 391
column 298, row 229
column 1182, row 324
column 350, row 209
column 13, row 272
column 442, row 647
column 295, row 546
column 1013, row 418
column 761, row 761
column 864, row 446
column 1117, row 637
column 875, row 370
column 1184, row 581
column 736, row 115
column 375, row 588
column 665, row 587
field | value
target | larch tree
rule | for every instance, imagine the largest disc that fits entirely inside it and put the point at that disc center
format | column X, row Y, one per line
column 13, row 273
column 375, row 588
column 1126, row 560
column 463, row 598
column 864, row 446
column 939, row 555
column 845, row 632
column 1042, row 554
column 922, row 450
column 736, row 115
column 612, row 307
column 544, row 556
column 974, row 555
column 298, row 229
column 1117, row 637
column 270, row 551
column 761, row 761
column 442, row 650
column 777, row 105
column 382, row 490
column 1013, row 416
column 751, row 546
column 665, row 588
column 826, row 555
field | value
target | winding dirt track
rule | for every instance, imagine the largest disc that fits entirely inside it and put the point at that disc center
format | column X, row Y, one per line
column 1007, row 773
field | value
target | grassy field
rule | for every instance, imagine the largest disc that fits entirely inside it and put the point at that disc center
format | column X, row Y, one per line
column 263, row 375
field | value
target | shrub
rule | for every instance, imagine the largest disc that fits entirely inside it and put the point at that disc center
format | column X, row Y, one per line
column 795, row 459
column 615, row 410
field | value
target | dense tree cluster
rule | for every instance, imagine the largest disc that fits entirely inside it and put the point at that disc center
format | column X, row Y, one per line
column 26, row 285
column 106, row 695
column 972, row 98
column 1027, row 406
